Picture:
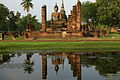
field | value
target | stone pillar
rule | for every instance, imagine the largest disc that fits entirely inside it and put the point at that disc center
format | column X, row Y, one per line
column 44, row 18
column 78, row 24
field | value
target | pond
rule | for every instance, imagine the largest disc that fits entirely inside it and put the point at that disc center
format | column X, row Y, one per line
column 60, row 66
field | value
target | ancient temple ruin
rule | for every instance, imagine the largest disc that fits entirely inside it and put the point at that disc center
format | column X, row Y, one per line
column 62, row 26
column 59, row 20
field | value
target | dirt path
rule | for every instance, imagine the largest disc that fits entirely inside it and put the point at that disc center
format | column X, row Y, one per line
column 67, row 40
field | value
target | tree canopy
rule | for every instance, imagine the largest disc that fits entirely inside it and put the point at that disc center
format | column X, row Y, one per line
column 4, row 12
column 108, row 12
column 31, row 20
column 88, row 11
column 11, row 21
column 103, row 12
column 8, row 20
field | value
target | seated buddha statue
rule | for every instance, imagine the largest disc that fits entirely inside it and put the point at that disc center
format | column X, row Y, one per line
column 57, row 22
column 56, row 16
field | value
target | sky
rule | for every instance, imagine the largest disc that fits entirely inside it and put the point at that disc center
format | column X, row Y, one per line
column 14, row 5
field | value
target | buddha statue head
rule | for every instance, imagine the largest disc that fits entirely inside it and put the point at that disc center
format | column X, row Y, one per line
column 56, row 8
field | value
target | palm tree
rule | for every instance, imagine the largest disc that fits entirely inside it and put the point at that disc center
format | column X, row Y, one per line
column 26, row 4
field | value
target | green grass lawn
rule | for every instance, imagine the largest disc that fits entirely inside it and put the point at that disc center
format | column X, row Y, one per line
column 84, row 46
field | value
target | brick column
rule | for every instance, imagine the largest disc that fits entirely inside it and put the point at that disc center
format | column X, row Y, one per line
column 44, row 18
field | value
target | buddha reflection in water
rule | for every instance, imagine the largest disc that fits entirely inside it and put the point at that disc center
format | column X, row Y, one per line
column 106, row 65
column 74, row 61
column 56, row 61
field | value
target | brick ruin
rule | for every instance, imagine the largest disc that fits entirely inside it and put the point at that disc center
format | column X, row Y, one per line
column 60, row 25
column 44, row 18
column 72, row 23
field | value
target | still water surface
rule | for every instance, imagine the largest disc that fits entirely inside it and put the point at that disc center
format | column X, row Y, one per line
column 60, row 66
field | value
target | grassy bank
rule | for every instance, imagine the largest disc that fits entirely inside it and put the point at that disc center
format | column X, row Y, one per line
column 83, row 46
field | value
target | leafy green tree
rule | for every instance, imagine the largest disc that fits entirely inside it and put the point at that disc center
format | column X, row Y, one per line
column 13, row 21
column 88, row 11
column 4, row 12
column 31, row 20
column 26, row 4
column 18, row 15
column 108, row 12
column 8, row 20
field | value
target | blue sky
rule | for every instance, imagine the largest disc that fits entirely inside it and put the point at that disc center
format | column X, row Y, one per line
column 14, row 5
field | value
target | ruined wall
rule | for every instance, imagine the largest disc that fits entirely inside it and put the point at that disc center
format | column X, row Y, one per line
column 74, row 21
column 53, row 34
column 78, row 21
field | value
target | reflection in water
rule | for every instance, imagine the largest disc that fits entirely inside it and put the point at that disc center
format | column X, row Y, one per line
column 4, row 58
column 28, row 69
column 44, row 67
column 73, row 64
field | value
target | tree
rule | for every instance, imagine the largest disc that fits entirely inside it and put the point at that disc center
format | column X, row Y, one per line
column 26, row 4
column 88, row 11
column 8, row 20
column 108, row 12
column 31, row 20
column 4, row 12
column 13, row 21
column 17, row 20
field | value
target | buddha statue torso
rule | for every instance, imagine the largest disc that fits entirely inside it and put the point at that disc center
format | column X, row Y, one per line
column 56, row 16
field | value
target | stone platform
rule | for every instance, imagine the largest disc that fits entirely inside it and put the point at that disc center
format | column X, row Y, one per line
column 60, row 34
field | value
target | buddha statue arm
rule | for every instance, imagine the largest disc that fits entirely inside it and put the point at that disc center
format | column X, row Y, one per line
column 52, row 17
column 60, row 16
